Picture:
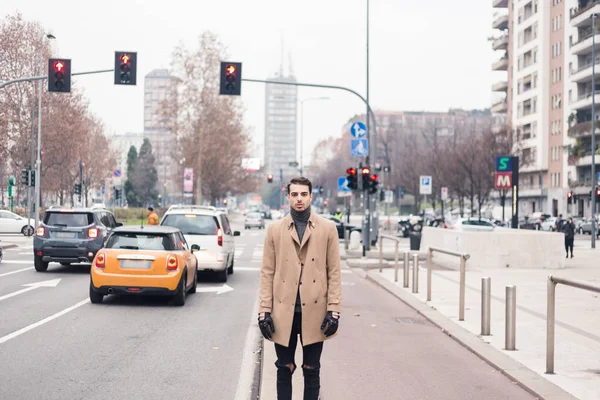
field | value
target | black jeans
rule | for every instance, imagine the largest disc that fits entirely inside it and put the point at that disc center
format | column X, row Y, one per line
column 311, row 364
column 569, row 244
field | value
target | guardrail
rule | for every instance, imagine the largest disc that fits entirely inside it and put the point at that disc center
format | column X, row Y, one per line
column 551, row 313
column 463, row 267
column 396, row 241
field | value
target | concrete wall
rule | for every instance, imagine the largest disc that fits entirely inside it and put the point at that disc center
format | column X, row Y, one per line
column 512, row 248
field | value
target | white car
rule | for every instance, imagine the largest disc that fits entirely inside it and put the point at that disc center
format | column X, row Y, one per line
column 548, row 224
column 13, row 223
column 475, row 225
column 208, row 228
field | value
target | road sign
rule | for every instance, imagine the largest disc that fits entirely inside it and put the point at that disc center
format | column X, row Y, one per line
column 358, row 130
column 102, row 189
column 425, row 184
column 389, row 196
column 503, row 164
column 598, row 178
column 359, row 148
column 503, row 180
column 444, row 193
column 343, row 184
column 117, row 172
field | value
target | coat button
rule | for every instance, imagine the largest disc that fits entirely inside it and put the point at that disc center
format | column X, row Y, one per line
column 303, row 304
column 301, row 283
column 315, row 302
column 314, row 280
column 302, row 265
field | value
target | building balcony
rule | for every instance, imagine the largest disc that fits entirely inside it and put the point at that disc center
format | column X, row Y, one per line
column 500, row 86
column 584, row 45
column 586, row 161
column 500, row 65
column 500, row 107
column 584, row 73
column 583, row 129
column 501, row 43
column 581, row 16
column 501, row 22
column 500, row 3
column 584, row 101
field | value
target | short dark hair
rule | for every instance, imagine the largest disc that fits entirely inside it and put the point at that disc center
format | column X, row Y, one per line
column 150, row 209
column 300, row 180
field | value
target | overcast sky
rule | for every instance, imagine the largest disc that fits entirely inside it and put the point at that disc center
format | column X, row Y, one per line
column 424, row 55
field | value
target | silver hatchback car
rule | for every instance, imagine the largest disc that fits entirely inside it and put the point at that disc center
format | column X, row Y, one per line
column 254, row 220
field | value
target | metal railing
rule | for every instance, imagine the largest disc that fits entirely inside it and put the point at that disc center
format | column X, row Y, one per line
column 396, row 242
column 463, row 267
column 551, row 313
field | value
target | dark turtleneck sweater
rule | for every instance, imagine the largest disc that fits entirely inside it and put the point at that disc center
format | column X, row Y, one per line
column 300, row 221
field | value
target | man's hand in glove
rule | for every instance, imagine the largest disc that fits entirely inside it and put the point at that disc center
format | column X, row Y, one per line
column 330, row 323
column 265, row 323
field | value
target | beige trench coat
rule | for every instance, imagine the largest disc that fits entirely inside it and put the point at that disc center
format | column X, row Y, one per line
column 280, row 276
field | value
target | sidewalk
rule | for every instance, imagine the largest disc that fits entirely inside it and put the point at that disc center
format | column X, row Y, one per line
column 577, row 343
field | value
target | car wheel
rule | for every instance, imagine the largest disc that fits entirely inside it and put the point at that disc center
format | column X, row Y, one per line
column 222, row 276
column 195, row 284
column 179, row 298
column 27, row 230
column 39, row 264
column 95, row 297
column 230, row 269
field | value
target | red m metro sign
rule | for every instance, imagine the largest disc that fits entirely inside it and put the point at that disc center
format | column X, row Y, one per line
column 503, row 180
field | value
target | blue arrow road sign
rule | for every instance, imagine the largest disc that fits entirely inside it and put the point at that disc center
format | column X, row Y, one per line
column 102, row 189
column 117, row 172
column 343, row 184
column 359, row 148
column 358, row 130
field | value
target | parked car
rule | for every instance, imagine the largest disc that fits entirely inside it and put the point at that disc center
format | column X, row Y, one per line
column 586, row 227
column 67, row 235
column 254, row 219
column 475, row 225
column 208, row 228
column 14, row 223
column 149, row 260
column 549, row 223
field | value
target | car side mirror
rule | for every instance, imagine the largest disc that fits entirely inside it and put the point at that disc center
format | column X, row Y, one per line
column 236, row 233
column 195, row 247
column 119, row 224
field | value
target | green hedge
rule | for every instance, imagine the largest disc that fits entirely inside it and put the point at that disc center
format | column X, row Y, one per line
column 135, row 213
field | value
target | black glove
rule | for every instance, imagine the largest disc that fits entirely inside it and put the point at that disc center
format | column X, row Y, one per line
column 330, row 324
column 266, row 326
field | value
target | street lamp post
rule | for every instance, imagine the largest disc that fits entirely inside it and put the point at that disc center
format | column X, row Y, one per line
column 594, row 178
column 302, row 129
column 38, row 169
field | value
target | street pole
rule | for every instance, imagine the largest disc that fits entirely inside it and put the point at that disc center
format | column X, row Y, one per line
column 368, row 208
column 29, row 188
column 594, row 178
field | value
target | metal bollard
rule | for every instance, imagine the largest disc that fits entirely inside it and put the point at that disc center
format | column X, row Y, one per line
column 396, row 262
column 415, row 283
column 550, row 325
column 429, row 256
column 486, row 294
column 511, row 317
column 406, row 259
column 346, row 239
column 381, row 255
column 461, row 295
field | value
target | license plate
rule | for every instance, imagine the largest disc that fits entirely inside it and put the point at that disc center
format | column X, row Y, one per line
column 135, row 264
column 66, row 235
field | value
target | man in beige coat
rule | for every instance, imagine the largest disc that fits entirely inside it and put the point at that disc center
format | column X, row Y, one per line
column 300, row 289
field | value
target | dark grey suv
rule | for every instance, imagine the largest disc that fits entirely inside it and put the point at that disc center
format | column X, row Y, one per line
column 68, row 235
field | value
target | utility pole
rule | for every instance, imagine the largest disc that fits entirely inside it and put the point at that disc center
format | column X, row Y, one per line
column 594, row 182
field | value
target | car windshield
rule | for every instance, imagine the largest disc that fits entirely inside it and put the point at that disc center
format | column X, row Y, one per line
column 140, row 241
column 253, row 215
column 68, row 219
column 193, row 224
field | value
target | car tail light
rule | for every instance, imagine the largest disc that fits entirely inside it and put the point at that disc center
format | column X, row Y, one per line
column 93, row 232
column 41, row 231
column 100, row 260
column 172, row 263
column 220, row 237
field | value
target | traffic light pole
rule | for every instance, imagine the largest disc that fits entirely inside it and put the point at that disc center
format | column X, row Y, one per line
column 372, row 146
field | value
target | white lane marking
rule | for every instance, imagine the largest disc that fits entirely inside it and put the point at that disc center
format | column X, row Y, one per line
column 17, row 271
column 346, row 271
column 26, row 329
column 16, row 261
column 236, row 268
column 30, row 287
column 246, row 379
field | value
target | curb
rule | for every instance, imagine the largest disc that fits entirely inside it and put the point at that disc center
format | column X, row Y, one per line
column 523, row 376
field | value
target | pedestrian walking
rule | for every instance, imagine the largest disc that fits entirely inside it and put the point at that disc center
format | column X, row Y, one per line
column 559, row 223
column 152, row 217
column 568, row 229
column 300, row 289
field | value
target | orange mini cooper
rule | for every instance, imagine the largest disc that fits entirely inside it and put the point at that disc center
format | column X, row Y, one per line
column 147, row 260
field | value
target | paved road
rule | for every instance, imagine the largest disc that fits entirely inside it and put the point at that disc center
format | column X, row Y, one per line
column 123, row 348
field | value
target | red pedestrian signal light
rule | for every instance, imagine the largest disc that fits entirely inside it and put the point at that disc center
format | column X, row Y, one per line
column 59, row 75
column 231, row 78
column 125, row 68
column 270, row 178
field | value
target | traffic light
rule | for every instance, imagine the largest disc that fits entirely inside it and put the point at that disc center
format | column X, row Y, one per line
column 270, row 178
column 25, row 177
column 597, row 194
column 352, row 179
column 320, row 189
column 125, row 67
column 117, row 194
column 32, row 183
column 366, row 174
column 78, row 188
column 381, row 195
column 570, row 198
column 231, row 78
column 373, row 183
column 59, row 75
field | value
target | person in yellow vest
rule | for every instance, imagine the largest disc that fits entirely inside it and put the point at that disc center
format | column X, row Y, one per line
column 152, row 217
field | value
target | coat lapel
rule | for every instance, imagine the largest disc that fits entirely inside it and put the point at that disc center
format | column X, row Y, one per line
column 292, row 229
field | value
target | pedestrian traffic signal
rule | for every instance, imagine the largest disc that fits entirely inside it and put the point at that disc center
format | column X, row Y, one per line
column 373, row 183
column 125, row 67
column 352, row 179
column 24, row 177
column 366, row 175
column 270, row 178
column 59, row 75
column 381, row 195
column 231, row 78
column 570, row 198
column 77, row 188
